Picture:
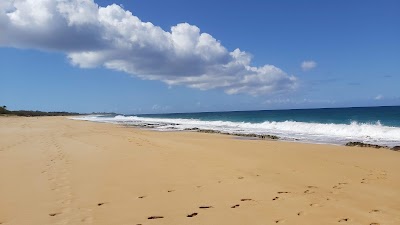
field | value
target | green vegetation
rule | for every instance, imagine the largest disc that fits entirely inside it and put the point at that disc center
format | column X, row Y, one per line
column 5, row 111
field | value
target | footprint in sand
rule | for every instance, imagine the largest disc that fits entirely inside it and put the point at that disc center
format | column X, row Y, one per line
column 314, row 205
column 374, row 211
column 155, row 217
column 235, row 206
column 308, row 192
column 364, row 181
column 283, row 192
column 276, row 198
column 54, row 214
column 300, row 213
column 339, row 185
column 246, row 199
column 279, row 221
column 205, row 207
column 143, row 196
column 171, row 191
column 240, row 178
column 374, row 224
column 344, row 220
column 101, row 203
column 192, row 215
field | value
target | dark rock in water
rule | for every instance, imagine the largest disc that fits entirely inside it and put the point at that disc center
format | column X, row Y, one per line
column 396, row 148
column 262, row 136
column 209, row 131
column 361, row 144
column 274, row 137
column 194, row 128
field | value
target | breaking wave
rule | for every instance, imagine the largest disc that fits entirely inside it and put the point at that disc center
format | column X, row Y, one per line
column 374, row 133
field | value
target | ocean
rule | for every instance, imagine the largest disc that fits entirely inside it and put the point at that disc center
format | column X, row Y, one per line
column 373, row 125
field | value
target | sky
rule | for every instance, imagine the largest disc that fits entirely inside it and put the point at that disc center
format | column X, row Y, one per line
column 147, row 56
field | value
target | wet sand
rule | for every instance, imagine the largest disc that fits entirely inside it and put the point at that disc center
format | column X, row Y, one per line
column 59, row 171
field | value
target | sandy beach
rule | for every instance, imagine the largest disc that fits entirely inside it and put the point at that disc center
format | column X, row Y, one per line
column 54, row 170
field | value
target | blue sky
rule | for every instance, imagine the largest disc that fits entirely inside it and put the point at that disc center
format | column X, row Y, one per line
column 219, row 55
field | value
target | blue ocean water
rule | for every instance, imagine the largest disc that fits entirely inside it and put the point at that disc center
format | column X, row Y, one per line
column 375, row 125
column 388, row 115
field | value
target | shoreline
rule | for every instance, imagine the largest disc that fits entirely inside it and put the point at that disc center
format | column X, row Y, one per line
column 372, row 135
column 254, row 136
column 60, row 171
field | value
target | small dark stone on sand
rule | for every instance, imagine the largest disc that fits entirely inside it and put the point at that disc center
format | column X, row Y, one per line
column 155, row 217
column 192, row 215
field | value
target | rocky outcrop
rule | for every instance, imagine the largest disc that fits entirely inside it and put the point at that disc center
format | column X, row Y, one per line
column 361, row 144
column 396, row 148
column 261, row 136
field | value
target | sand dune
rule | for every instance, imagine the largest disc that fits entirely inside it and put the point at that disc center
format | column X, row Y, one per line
column 59, row 171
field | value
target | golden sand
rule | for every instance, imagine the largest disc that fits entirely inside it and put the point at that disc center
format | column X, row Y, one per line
column 59, row 171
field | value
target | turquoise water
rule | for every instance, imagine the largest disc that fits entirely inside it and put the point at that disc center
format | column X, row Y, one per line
column 374, row 125
column 388, row 115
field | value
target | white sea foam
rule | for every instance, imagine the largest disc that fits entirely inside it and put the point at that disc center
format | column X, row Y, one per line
column 287, row 130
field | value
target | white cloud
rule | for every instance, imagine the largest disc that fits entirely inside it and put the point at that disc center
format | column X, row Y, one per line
column 93, row 36
column 378, row 97
column 308, row 65
column 282, row 101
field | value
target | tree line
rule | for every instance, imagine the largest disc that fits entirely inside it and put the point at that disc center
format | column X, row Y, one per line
column 5, row 111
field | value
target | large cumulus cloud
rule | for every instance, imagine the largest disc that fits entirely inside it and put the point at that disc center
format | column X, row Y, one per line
column 93, row 36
